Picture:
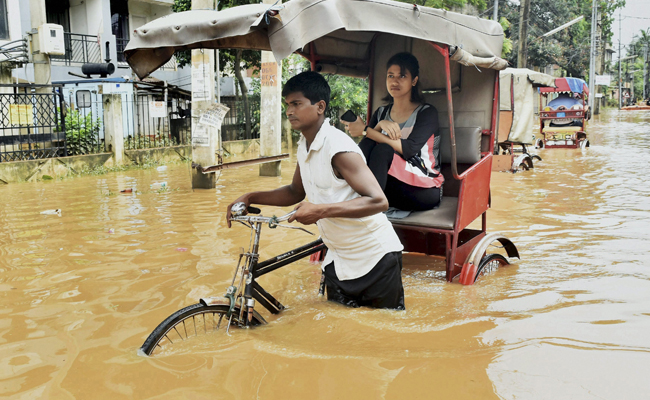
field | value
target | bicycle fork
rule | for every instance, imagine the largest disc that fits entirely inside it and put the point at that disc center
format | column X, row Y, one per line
column 248, row 302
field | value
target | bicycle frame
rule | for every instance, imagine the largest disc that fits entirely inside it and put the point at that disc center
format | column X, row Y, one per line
column 253, row 269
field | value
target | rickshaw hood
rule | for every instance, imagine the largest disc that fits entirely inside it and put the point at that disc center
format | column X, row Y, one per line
column 290, row 27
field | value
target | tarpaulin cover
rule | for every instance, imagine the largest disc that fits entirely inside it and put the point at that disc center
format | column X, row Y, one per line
column 285, row 28
column 520, row 99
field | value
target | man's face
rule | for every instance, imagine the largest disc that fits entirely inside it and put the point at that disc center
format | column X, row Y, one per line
column 301, row 113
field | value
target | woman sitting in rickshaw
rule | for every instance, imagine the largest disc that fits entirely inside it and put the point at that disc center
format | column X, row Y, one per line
column 402, row 142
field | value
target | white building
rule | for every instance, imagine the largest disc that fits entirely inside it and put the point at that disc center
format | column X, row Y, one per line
column 91, row 29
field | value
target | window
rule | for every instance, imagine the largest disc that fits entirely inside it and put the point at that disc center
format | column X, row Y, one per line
column 120, row 25
column 83, row 99
column 57, row 12
column 4, row 25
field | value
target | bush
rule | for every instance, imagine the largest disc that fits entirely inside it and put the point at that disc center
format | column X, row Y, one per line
column 82, row 133
column 148, row 142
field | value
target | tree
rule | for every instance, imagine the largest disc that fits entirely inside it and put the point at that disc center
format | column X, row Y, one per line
column 568, row 48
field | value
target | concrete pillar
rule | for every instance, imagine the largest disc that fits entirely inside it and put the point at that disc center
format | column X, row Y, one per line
column 270, row 111
column 42, row 67
column 204, row 137
column 113, row 127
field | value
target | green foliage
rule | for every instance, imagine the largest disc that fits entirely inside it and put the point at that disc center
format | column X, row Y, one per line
column 568, row 48
column 507, row 42
column 81, row 133
column 149, row 142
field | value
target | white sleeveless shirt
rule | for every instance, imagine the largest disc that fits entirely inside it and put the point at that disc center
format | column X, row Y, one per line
column 354, row 244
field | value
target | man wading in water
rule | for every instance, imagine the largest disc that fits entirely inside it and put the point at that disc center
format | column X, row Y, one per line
column 363, row 264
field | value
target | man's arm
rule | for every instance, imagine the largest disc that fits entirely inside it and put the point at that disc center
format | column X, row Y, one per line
column 281, row 197
column 354, row 170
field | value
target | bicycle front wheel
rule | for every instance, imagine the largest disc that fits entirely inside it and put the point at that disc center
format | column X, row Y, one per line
column 197, row 319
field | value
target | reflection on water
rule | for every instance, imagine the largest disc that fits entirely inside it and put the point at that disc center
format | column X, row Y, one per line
column 79, row 293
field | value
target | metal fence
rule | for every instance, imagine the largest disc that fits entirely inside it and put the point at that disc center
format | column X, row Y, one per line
column 234, row 123
column 32, row 125
column 151, row 123
column 80, row 49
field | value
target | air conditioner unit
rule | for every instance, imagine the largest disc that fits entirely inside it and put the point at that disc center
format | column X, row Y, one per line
column 50, row 39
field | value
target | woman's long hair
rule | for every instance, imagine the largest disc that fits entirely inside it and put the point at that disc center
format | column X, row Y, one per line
column 406, row 61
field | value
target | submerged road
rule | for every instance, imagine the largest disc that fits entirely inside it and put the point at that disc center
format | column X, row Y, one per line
column 80, row 292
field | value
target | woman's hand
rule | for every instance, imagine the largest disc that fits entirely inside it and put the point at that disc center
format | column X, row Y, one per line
column 391, row 128
column 355, row 128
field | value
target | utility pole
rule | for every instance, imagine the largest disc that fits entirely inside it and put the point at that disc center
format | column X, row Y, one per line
column 645, row 62
column 42, row 67
column 495, row 12
column 204, row 137
column 270, row 110
column 592, row 57
column 522, row 54
column 620, row 57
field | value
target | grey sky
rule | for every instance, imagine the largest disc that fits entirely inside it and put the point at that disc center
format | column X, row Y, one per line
column 635, row 17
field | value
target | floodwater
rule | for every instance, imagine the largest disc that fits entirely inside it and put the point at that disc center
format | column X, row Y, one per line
column 79, row 293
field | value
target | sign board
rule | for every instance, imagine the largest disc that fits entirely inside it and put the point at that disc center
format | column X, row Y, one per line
column 269, row 74
column 157, row 109
column 603, row 80
column 21, row 114
column 213, row 116
column 599, row 95
column 200, row 136
column 199, row 81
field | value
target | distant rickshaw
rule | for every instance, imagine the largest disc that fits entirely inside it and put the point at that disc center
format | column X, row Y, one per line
column 516, row 118
column 563, row 120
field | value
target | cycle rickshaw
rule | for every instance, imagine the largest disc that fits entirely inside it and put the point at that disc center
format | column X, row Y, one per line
column 460, row 75
column 564, row 125
column 516, row 114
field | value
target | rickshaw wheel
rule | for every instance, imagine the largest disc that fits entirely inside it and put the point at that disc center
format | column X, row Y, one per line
column 489, row 263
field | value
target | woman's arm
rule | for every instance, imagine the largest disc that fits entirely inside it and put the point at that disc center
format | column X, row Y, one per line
column 426, row 124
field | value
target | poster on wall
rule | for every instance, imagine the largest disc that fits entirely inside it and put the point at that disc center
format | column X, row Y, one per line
column 200, row 136
column 157, row 109
column 214, row 115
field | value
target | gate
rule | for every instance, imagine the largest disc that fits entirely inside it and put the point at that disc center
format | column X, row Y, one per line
column 32, row 122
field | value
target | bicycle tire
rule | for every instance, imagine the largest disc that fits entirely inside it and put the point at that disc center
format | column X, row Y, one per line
column 168, row 328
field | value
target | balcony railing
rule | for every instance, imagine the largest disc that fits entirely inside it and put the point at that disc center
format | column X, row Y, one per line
column 80, row 49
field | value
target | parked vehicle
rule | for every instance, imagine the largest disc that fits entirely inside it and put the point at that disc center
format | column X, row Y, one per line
column 516, row 118
column 563, row 121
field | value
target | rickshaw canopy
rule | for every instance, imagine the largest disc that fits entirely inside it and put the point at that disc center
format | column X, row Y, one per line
column 517, row 96
column 573, row 85
column 346, row 28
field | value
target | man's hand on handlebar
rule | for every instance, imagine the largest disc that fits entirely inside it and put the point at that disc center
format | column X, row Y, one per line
column 307, row 213
column 242, row 199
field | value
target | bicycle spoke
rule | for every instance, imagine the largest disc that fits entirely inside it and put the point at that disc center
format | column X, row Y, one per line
column 205, row 328
column 184, row 327
column 170, row 341
column 179, row 334
column 196, row 333
column 219, row 324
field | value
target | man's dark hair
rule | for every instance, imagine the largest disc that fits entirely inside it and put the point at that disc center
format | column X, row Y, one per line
column 311, row 84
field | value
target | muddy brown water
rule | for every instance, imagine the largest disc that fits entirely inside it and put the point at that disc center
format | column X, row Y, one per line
column 79, row 293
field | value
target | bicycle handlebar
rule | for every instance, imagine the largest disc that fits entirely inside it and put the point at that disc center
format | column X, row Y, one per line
column 237, row 212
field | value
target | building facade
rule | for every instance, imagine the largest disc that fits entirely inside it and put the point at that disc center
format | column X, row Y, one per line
column 94, row 31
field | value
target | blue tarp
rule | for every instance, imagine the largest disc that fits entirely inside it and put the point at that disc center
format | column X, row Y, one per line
column 576, row 84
